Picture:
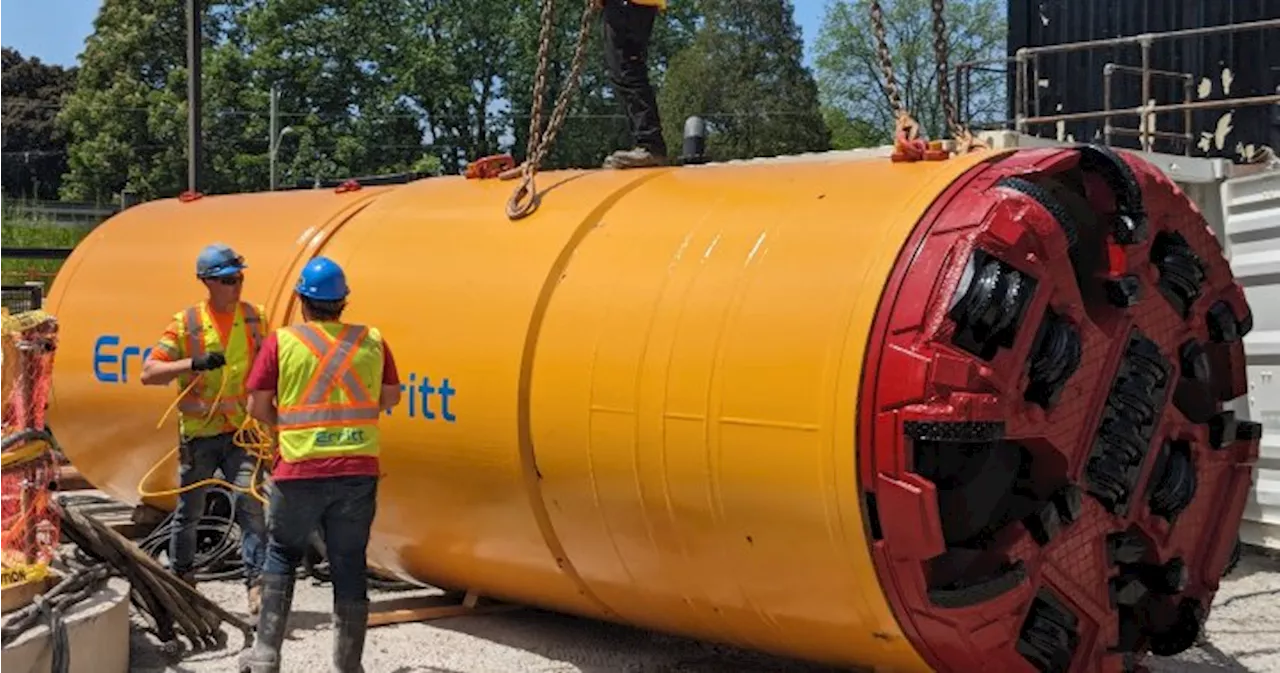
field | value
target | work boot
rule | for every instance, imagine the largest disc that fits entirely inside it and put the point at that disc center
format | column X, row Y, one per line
column 277, row 597
column 636, row 157
column 349, row 623
column 188, row 577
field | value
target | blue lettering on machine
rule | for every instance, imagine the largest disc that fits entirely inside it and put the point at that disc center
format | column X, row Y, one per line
column 421, row 395
column 111, row 360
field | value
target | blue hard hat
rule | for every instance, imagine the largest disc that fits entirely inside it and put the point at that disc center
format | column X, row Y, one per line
column 323, row 280
column 218, row 259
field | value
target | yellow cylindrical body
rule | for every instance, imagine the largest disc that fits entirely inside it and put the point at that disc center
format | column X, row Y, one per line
column 654, row 380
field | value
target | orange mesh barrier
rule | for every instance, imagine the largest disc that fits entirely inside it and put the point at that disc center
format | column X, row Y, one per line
column 28, row 526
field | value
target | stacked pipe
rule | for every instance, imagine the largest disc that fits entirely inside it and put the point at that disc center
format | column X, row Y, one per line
column 171, row 605
column 947, row 415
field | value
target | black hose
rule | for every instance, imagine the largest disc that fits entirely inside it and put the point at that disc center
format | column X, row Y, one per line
column 222, row 562
column 168, row 601
column 77, row 586
column 26, row 435
column 58, row 634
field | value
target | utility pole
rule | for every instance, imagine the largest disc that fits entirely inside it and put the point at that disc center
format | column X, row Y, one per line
column 272, row 136
column 195, row 146
column 274, row 132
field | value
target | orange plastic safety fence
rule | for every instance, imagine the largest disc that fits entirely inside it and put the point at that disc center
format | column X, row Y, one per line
column 29, row 527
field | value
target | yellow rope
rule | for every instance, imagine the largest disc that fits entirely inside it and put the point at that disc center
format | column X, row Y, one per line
column 28, row 451
column 250, row 436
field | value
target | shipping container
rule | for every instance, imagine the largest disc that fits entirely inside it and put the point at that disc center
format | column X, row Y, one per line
column 1206, row 67
column 1251, row 224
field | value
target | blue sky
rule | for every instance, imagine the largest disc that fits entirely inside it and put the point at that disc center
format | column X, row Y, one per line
column 55, row 30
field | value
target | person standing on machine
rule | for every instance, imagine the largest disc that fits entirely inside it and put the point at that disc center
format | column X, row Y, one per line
column 330, row 382
column 213, row 344
column 628, row 25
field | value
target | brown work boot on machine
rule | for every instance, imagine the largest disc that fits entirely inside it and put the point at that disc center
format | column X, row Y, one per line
column 636, row 157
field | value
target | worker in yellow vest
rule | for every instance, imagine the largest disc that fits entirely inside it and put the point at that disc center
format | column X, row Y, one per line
column 213, row 343
column 330, row 382
column 628, row 25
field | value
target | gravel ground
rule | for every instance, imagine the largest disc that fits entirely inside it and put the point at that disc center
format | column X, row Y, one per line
column 1243, row 635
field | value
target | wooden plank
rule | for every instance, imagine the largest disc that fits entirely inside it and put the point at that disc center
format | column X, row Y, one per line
column 70, row 479
column 426, row 608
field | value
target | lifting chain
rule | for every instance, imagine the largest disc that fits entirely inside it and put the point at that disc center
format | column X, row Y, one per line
column 959, row 132
column 525, row 198
column 906, row 131
column 908, row 146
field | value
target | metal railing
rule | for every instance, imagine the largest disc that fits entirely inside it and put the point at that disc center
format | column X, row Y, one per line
column 35, row 253
column 1027, row 62
column 19, row 298
column 1188, row 83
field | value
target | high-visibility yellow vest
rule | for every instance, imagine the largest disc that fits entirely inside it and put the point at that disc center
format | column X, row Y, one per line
column 327, row 394
column 199, row 416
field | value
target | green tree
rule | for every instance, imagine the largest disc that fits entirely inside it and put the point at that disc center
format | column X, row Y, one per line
column 127, row 116
column 596, row 124
column 452, row 66
column 339, row 96
column 743, row 74
column 848, row 133
column 34, row 148
column 852, row 82
column 339, row 93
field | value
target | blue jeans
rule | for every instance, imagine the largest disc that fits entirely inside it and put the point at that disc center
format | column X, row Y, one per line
column 199, row 459
column 343, row 509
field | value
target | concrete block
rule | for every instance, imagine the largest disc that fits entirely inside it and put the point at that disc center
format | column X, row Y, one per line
column 97, row 633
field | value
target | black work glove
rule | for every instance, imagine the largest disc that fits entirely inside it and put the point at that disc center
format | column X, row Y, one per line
column 207, row 361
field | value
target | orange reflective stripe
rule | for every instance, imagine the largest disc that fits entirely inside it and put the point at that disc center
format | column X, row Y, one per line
column 297, row 418
column 196, row 406
column 253, row 328
column 194, row 337
column 335, row 356
column 194, row 331
column 315, row 340
column 334, row 370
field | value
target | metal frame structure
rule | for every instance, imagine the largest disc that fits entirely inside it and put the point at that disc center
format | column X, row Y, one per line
column 1027, row 65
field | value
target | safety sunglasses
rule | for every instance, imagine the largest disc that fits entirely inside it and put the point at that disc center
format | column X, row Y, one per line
column 230, row 280
column 233, row 263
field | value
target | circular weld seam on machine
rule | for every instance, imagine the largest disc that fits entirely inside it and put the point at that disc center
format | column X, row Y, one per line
column 941, row 415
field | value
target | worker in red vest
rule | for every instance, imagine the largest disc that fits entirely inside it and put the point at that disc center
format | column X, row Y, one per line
column 628, row 25
column 330, row 382
column 213, row 344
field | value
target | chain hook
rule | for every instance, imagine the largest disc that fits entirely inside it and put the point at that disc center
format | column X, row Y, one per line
column 965, row 141
column 525, row 199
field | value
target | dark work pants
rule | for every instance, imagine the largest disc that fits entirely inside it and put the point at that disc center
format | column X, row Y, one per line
column 627, row 28
column 198, row 459
column 343, row 509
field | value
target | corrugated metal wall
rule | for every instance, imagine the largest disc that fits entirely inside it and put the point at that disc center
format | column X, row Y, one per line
column 1251, row 213
column 1226, row 66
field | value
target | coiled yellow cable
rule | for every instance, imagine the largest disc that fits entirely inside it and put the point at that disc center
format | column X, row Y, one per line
column 250, row 436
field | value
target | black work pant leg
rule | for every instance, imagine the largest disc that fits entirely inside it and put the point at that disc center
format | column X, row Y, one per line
column 627, row 27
